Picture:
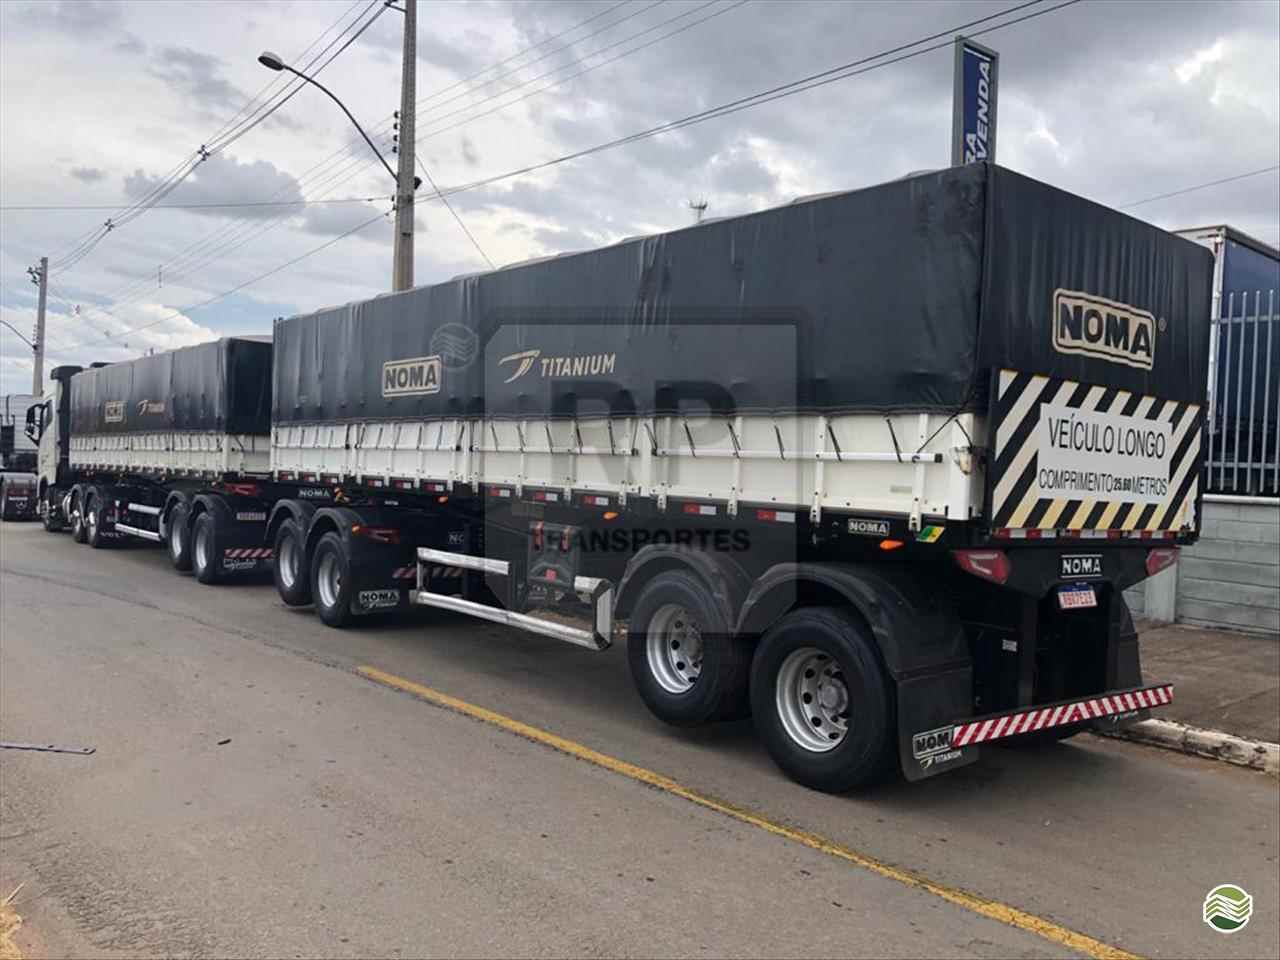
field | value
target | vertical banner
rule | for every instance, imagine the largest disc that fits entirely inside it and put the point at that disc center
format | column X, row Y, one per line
column 973, row 116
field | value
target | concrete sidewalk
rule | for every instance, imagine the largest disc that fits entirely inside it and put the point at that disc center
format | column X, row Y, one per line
column 1222, row 681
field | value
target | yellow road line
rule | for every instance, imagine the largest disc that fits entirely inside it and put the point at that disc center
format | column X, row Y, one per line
column 995, row 910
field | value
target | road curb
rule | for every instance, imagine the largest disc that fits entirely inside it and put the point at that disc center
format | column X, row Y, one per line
column 1214, row 744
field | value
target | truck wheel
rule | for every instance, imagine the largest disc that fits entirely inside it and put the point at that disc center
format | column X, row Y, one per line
column 821, row 701
column 331, row 580
column 93, row 521
column 293, row 579
column 4, row 505
column 51, row 520
column 77, row 519
column 178, row 537
column 687, row 665
column 206, row 558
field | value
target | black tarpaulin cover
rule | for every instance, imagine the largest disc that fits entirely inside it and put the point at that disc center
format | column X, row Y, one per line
column 222, row 386
column 898, row 297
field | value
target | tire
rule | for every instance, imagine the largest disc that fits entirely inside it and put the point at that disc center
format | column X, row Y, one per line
column 93, row 521
column 688, row 667
column 4, row 504
column 206, row 557
column 51, row 521
column 177, row 537
column 77, row 518
column 289, row 570
column 814, row 669
column 331, row 585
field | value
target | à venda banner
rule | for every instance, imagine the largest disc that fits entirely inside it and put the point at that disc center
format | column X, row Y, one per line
column 973, row 125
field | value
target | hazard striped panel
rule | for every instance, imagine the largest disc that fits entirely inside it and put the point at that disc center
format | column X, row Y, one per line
column 1070, row 457
column 248, row 553
column 1014, row 724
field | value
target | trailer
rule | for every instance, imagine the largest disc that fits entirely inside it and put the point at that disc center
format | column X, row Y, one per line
column 157, row 449
column 874, row 467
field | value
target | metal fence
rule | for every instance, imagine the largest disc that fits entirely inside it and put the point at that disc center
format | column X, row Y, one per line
column 1244, row 397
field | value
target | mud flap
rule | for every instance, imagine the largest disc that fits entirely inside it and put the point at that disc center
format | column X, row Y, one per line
column 927, row 708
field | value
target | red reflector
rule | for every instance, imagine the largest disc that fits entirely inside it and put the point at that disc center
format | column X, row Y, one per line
column 1161, row 558
column 1114, row 534
column 990, row 565
column 242, row 489
column 550, row 574
column 1003, row 533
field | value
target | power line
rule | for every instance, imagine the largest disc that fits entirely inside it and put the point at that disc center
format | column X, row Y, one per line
column 1200, row 186
column 853, row 68
column 449, row 206
column 188, row 165
column 235, row 289
column 211, row 205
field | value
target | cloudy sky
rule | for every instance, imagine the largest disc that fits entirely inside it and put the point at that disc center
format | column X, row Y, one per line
column 100, row 102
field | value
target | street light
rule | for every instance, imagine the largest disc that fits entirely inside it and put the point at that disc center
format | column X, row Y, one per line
column 272, row 61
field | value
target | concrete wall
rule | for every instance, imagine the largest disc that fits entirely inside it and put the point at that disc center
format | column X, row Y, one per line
column 1230, row 578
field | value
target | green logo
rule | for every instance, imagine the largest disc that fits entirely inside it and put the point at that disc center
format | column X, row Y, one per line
column 1227, row 908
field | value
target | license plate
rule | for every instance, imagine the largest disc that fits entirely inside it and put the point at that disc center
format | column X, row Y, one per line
column 1077, row 596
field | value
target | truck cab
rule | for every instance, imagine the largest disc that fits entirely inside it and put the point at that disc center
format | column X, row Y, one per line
column 48, row 425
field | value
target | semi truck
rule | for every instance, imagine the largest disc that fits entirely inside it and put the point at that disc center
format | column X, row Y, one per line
column 873, row 467
column 17, row 461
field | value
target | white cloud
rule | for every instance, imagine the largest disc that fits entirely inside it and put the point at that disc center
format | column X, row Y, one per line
column 1191, row 68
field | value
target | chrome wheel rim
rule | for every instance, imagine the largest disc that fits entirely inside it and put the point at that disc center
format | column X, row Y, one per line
column 673, row 648
column 76, row 520
column 329, row 580
column 202, row 547
column 288, row 561
column 92, row 520
column 175, row 538
column 813, row 700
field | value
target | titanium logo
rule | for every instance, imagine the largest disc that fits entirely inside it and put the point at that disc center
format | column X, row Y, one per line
column 1094, row 327
column 1227, row 908
column 113, row 411
column 580, row 365
column 409, row 378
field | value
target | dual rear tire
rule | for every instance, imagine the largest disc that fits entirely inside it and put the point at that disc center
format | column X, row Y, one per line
column 820, row 698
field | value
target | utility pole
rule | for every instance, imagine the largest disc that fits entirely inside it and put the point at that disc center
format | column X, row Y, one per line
column 41, row 278
column 402, row 272
column 699, row 207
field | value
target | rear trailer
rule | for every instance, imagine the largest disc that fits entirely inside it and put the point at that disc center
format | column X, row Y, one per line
column 884, row 496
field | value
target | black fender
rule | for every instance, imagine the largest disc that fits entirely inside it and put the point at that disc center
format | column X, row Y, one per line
column 214, row 504
column 728, row 582
column 297, row 510
column 919, row 637
column 325, row 519
column 174, row 498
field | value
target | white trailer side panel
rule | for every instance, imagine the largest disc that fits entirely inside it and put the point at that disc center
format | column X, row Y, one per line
column 185, row 453
column 917, row 465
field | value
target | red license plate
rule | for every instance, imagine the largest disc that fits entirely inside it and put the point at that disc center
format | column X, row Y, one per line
column 1078, row 596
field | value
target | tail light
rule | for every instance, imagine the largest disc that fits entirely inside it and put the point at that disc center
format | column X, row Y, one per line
column 1161, row 558
column 990, row 565
column 380, row 534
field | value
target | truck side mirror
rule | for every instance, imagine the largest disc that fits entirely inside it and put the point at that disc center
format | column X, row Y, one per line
column 33, row 429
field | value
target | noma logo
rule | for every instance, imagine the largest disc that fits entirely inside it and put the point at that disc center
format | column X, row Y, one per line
column 931, row 742
column 1095, row 327
column 406, row 378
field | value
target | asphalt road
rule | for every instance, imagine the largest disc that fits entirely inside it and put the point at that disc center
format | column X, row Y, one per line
column 344, row 818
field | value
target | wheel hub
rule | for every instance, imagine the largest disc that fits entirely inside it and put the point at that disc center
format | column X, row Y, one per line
column 674, row 648
column 812, row 700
